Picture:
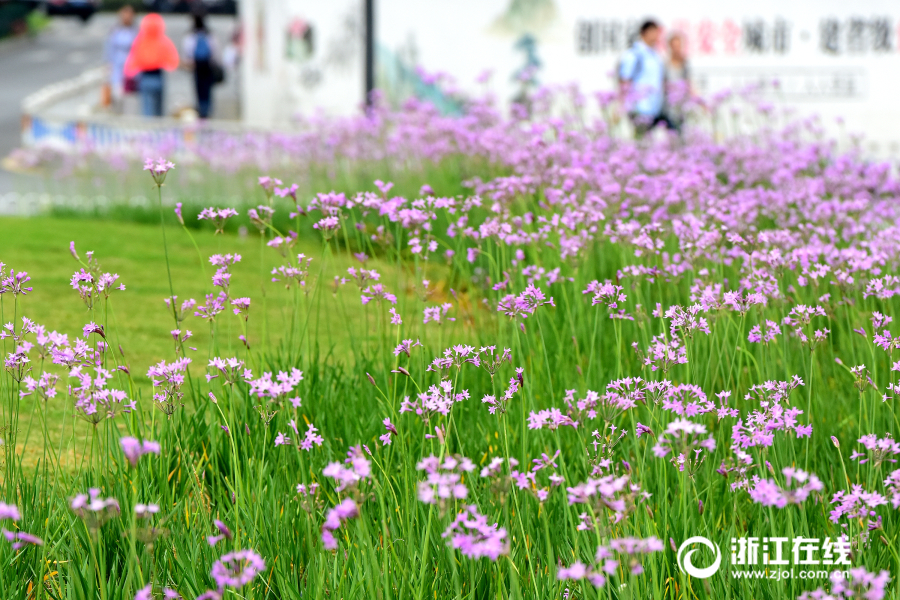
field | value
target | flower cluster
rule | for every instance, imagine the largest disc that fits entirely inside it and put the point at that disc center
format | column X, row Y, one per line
column 94, row 510
column 168, row 378
column 605, row 563
column 443, row 478
column 861, row 584
column 218, row 216
column 684, row 440
column 18, row 539
column 158, row 170
column 769, row 493
column 471, row 534
column 358, row 469
column 347, row 509
column 134, row 449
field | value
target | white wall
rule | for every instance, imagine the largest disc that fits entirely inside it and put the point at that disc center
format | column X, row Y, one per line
column 282, row 78
column 730, row 44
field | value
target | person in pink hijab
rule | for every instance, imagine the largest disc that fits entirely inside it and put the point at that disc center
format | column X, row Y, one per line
column 151, row 54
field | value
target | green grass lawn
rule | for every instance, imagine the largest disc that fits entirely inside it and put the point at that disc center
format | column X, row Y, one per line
column 138, row 320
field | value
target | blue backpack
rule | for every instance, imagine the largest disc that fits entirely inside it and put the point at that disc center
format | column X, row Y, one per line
column 202, row 51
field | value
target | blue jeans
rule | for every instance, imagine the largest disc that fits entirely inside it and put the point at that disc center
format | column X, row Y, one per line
column 203, row 83
column 151, row 88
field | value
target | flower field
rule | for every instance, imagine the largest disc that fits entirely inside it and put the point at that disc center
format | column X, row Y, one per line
column 556, row 364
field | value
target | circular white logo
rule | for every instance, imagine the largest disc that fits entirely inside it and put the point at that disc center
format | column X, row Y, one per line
column 685, row 565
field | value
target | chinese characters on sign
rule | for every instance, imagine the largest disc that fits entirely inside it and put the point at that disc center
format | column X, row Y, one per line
column 605, row 37
column 788, row 83
column 856, row 35
column 704, row 37
column 784, row 551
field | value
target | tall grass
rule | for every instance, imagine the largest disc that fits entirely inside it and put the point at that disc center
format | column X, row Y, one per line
column 224, row 455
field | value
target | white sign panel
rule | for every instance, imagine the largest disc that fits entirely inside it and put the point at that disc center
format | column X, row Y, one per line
column 301, row 57
column 833, row 58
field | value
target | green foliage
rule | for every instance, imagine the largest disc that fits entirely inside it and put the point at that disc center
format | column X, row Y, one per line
column 395, row 548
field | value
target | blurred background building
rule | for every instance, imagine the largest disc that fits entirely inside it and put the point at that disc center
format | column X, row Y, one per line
column 838, row 59
column 289, row 58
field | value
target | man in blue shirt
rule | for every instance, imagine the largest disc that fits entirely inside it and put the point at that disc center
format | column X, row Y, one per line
column 641, row 76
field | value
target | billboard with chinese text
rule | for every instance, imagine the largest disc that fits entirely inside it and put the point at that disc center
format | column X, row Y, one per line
column 837, row 59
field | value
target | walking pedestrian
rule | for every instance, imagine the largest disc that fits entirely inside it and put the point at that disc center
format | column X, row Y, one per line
column 118, row 45
column 678, row 83
column 641, row 77
column 202, row 57
column 151, row 55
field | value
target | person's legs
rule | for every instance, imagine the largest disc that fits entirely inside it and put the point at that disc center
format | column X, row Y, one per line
column 642, row 124
column 203, row 84
column 208, row 99
column 146, row 95
column 151, row 86
column 160, row 98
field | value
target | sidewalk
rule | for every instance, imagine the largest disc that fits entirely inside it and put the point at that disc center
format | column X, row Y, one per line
column 179, row 92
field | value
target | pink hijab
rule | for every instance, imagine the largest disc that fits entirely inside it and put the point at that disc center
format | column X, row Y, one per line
column 151, row 49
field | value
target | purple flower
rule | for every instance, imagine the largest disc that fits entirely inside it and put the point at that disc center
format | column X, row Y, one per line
column 391, row 431
column 405, row 347
column 224, row 533
column 94, row 509
column 287, row 191
column 861, row 584
column 237, row 569
column 311, row 438
column 268, row 184
column 217, row 215
column 879, row 450
column 144, row 511
column 145, row 593
column 359, row 468
column 347, row 509
column 768, row 493
column 9, row 511
column 629, row 550
column 158, row 170
column 443, row 479
column 471, row 534
column 133, row 449
column 20, row 539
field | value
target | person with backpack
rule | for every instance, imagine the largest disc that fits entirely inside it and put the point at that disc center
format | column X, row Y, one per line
column 201, row 57
column 641, row 75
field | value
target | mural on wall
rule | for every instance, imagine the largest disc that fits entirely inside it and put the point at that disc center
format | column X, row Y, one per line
column 300, row 41
column 526, row 21
column 523, row 23
column 522, row 17
column 315, row 60
column 527, row 75
column 398, row 77
column 345, row 48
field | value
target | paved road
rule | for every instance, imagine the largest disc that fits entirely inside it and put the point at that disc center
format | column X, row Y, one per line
column 63, row 50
